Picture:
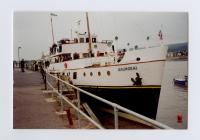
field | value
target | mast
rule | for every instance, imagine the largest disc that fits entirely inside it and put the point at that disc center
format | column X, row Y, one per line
column 52, row 14
column 52, row 31
column 89, row 36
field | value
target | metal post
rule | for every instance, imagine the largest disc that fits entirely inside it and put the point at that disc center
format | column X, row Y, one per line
column 45, row 80
column 78, row 97
column 116, row 117
column 61, row 100
column 55, row 87
column 58, row 85
column 19, row 55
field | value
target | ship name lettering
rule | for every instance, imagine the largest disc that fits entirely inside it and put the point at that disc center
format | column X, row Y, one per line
column 127, row 68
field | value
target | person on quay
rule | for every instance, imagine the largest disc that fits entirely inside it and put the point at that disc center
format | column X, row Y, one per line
column 22, row 65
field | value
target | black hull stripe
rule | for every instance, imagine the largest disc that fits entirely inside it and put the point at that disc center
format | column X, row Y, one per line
column 120, row 87
column 119, row 64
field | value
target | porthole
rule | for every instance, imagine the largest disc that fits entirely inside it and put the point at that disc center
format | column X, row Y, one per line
column 99, row 73
column 138, row 58
column 91, row 73
column 108, row 73
column 84, row 74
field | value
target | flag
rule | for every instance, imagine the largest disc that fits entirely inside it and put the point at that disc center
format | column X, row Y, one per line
column 160, row 35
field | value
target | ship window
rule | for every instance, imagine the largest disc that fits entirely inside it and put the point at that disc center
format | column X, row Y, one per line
column 99, row 73
column 74, row 75
column 81, row 40
column 87, row 40
column 94, row 40
column 138, row 58
column 95, row 46
column 91, row 73
column 75, row 40
column 84, row 74
column 108, row 73
column 85, row 55
column 76, row 56
column 56, row 60
column 60, row 48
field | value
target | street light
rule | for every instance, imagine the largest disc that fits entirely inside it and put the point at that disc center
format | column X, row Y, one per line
column 19, row 55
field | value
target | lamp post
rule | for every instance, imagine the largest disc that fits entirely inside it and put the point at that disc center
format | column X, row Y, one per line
column 19, row 55
column 52, row 14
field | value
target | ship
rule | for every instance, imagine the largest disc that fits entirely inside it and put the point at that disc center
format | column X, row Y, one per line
column 131, row 79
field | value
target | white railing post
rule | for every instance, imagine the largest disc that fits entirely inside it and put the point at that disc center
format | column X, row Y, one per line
column 116, row 117
column 61, row 100
column 58, row 82
column 52, row 83
column 78, row 113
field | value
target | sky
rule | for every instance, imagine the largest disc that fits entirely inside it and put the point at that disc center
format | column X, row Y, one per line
column 32, row 30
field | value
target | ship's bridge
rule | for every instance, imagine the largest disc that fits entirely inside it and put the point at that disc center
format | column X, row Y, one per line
column 78, row 48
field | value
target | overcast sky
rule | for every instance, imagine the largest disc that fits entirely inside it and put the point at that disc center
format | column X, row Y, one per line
column 32, row 30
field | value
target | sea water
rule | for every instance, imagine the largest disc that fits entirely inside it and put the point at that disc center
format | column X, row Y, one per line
column 173, row 99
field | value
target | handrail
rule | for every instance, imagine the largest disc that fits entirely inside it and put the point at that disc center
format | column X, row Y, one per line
column 64, row 98
column 115, row 106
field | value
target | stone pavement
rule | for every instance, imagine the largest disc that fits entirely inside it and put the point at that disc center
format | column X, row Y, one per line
column 30, row 111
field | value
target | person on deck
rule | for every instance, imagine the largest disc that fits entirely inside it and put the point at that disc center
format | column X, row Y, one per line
column 137, row 81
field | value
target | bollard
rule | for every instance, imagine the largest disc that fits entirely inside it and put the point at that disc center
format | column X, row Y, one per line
column 69, row 116
column 179, row 118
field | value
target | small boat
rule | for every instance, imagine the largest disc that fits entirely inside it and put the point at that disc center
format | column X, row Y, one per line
column 181, row 81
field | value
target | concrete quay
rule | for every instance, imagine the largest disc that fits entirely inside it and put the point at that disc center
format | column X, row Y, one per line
column 30, row 110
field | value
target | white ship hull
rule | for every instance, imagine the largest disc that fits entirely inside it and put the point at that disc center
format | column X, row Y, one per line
column 113, row 81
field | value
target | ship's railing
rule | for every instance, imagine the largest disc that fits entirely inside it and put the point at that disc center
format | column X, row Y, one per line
column 115, row 106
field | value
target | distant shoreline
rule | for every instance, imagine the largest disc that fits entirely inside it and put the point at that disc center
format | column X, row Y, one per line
column 182, row 58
